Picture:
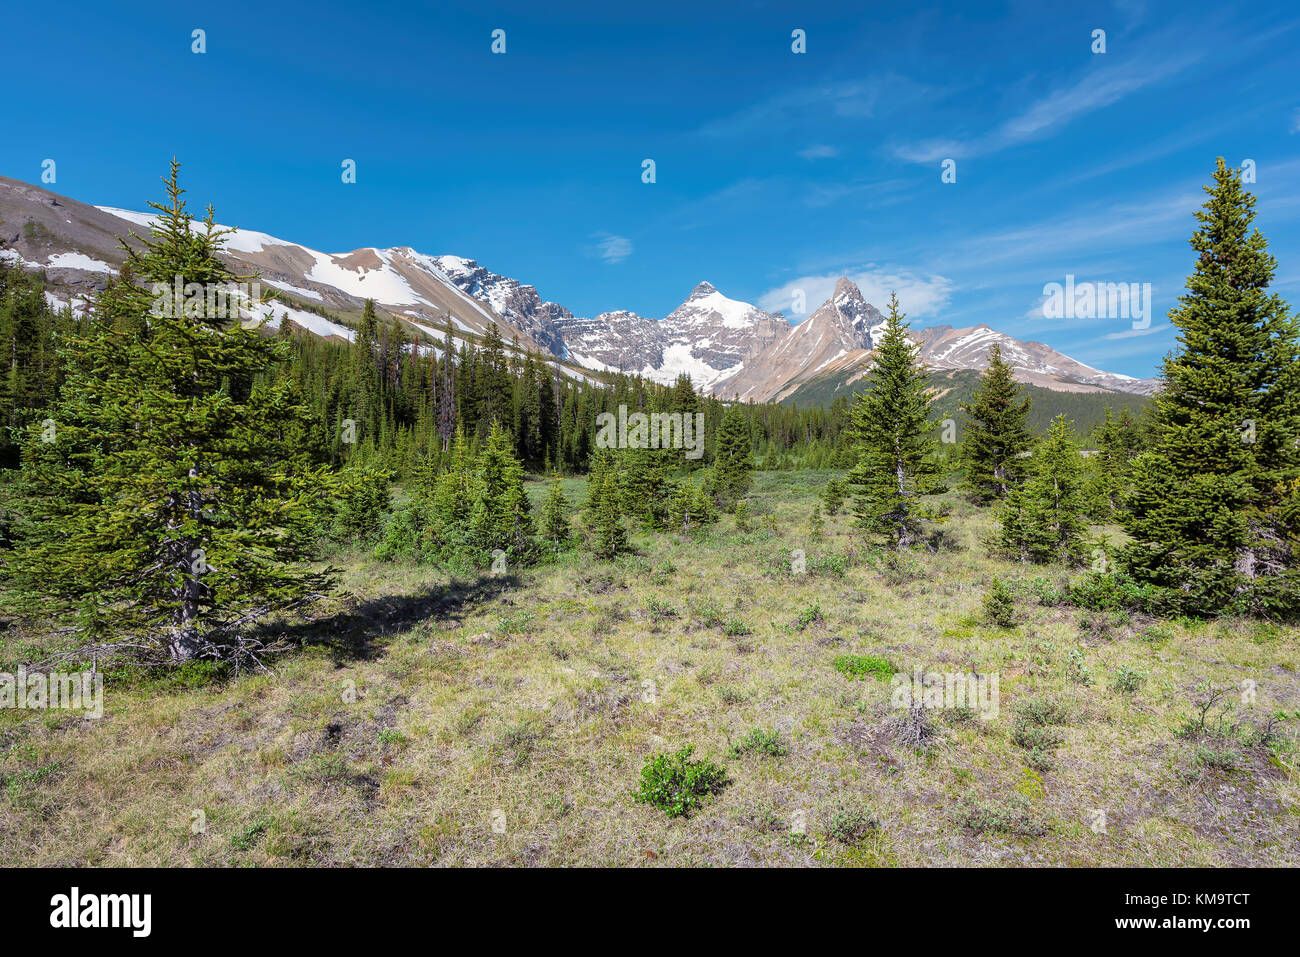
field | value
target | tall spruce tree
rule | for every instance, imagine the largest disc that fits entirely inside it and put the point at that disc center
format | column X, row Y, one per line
column 1118, row 441
column 555, row 515
column 501, row 516
column 169, row 505
column 1042, row 519
column 995, row 430
column 733, row 459
column 895, row 440
column 1208, row 511
column 604, row 506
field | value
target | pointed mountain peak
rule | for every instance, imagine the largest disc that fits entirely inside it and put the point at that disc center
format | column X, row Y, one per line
column 706, row 306
column 848, row 317
column 846, row 288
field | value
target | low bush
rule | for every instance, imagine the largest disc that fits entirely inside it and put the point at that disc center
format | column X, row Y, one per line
column 865, row 666
column 677, row 784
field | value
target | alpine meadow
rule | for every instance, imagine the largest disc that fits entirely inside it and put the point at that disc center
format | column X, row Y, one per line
column 380, row 559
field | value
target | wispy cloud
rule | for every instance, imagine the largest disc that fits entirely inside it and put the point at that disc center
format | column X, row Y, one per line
column 865, row 194
column 611, row 248
column 819, row 151
column 1133, row 333
column 1075, row 239
column 919, row 295
column 854, row 99
column 1098, row 88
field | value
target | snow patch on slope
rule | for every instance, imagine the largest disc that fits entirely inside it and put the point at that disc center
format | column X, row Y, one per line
column 79, row 261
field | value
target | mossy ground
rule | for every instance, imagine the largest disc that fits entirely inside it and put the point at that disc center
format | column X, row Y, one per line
column 506, row 721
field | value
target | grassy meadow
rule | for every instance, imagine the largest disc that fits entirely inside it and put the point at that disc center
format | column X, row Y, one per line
column 487, row 720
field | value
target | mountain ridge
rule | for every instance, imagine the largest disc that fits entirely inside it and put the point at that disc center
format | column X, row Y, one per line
column 730, row 348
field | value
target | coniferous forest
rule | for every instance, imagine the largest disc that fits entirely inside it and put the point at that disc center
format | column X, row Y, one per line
column 145, row 441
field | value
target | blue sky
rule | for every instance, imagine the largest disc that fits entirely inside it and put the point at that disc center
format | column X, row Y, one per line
column 775, row 171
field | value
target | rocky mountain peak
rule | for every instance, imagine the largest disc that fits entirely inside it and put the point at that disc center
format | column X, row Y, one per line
column 847, row 318
column 846, row 289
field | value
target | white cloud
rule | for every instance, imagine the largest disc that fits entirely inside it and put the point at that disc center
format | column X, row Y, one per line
column 1097, row 89
column 1132, row 333
column 819, row 151
column 853, row 99
column 611, row 248
column 919, row 296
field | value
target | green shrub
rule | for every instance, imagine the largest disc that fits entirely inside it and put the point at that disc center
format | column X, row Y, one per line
column 850, row 823
column 1043, row 591
column 1045, row 710
column 1099, row 591
column 1016, row 816
column 246, row 837
column 833, row 565
column 659, row 610
column 864, row 666
column 761, row 741
column 999, row 606
column 736, row 628
column 1156, row 635
column 677, row 785
column 1127, row 680
column 1034, row 737
column 811, row 615
column 709, row 614
column 516, row 624
column 1034, row 729
column 1077, row 670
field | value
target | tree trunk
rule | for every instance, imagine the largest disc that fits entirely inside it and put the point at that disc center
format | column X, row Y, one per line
column 183, row 642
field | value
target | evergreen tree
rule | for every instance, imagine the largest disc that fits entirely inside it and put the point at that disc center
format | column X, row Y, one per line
column 555, row 515
column 363, row 498
column 604, row 507
column 170, row 507
column 733, row 459
column 995, row 431
column 1042, row 519
column 501, row 515
column 741, row 514
column 1208, row 513
column 602, row 483
column 29, row 370
column 895, row 439
column 1118, row 441
column 690, row 508
column 645, row 484
column 833, row 495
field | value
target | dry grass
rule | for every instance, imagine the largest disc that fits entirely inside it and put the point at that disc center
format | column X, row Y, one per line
column 506, row 722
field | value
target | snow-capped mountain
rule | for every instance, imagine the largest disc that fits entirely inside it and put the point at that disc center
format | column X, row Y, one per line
column 837, row 343
column 943, row 347
column 728, row 347
column 711, row 336
column 77, row 245
column 517, row 303
column 844, row 326
column 708, row 337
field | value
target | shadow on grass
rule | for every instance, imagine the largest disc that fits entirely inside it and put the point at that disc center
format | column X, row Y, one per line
column 354, row 633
